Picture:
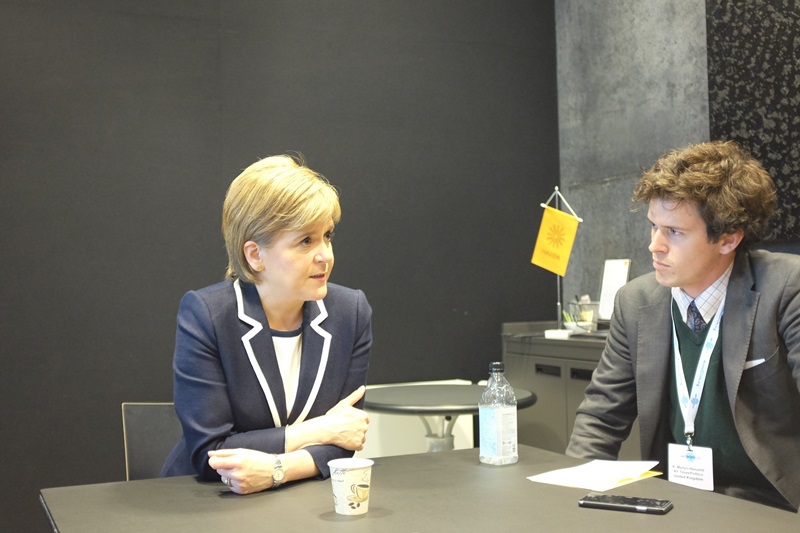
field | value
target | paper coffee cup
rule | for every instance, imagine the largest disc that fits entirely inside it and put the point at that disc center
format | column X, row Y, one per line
column 350, row 480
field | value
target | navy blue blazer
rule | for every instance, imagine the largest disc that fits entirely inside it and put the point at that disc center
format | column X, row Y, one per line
column 228, row 388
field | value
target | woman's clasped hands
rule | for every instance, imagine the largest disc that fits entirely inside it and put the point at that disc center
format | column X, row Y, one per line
column 246, row 471
column 243, row 470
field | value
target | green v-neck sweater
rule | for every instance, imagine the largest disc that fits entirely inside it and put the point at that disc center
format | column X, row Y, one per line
column 714, row 427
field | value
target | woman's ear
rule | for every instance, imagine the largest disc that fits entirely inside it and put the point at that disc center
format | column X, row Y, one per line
column 252, row 253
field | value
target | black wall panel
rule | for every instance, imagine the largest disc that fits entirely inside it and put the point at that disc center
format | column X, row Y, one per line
column 109, row 142
column 437, row 122
column 122, row 124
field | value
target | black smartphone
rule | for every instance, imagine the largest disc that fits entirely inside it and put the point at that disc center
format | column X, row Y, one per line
column 599, row 500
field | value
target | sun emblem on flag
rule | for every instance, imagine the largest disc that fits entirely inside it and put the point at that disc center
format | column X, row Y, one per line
column 556, row 235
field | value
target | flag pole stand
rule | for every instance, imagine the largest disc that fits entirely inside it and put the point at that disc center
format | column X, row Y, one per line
column 559, row 306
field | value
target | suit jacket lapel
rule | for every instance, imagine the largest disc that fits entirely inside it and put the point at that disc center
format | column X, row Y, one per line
column 257, row 341
column 314, row 359
column 653, row 363
column 737, row 324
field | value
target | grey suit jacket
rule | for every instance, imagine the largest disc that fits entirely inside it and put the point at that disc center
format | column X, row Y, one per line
column 761, row 321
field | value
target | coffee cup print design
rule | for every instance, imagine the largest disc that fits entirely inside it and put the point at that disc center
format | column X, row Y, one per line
column 360, row 492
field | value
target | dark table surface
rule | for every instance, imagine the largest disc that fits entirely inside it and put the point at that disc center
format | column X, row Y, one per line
column 446, row 491
column 434, row 399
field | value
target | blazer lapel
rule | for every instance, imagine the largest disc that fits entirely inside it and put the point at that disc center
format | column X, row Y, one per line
column 737, row 324
column 314, row 359
column 653, row 364
column 257, row 342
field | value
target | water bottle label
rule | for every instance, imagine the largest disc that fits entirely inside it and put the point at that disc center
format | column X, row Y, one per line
column 489, row 431
column 508, row 440
column 498, row 426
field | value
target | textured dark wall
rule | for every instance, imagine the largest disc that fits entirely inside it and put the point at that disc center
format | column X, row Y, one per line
column 631, row 85
column 754, row 92
column 123, row 123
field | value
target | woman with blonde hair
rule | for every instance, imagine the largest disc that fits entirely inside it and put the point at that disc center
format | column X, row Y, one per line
column 270, row 365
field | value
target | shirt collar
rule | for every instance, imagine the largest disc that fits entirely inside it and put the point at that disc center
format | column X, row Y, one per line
column 709, row 301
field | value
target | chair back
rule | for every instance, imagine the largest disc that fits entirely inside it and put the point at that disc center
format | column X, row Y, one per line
column 150, row 431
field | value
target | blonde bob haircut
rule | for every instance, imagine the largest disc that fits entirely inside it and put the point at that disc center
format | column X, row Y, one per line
column 271, row 196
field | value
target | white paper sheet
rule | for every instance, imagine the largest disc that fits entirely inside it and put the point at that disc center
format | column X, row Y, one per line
column 615, row 275
column 598, row 475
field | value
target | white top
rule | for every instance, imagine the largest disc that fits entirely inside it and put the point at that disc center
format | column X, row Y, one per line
column 288, row 349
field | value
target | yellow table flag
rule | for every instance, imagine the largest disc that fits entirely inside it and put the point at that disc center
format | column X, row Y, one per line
column 555, row 239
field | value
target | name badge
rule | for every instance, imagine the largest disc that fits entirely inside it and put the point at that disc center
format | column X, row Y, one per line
column 693, row 468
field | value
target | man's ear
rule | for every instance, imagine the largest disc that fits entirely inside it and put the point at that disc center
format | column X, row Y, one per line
column 729, row 241
column 253, row 256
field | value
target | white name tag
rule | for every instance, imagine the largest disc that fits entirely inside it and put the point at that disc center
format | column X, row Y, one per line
column 692, row 468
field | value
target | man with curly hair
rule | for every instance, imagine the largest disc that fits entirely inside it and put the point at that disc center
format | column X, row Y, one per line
column 705, row 350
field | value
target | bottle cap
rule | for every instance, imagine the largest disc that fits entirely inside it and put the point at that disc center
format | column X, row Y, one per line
column 497, row 366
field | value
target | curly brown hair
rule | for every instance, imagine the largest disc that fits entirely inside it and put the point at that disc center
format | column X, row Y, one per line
column 730, row 188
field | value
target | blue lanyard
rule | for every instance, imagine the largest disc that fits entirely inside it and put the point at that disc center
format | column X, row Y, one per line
column 690, row 402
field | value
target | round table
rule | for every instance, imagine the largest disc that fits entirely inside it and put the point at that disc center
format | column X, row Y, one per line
column 449, row 401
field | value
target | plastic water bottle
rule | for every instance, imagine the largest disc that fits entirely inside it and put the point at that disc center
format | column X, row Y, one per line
column 498, row 419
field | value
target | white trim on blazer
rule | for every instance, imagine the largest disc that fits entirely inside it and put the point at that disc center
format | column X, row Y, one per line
column 323, row 362
column 257, row 327
column 262, row 380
